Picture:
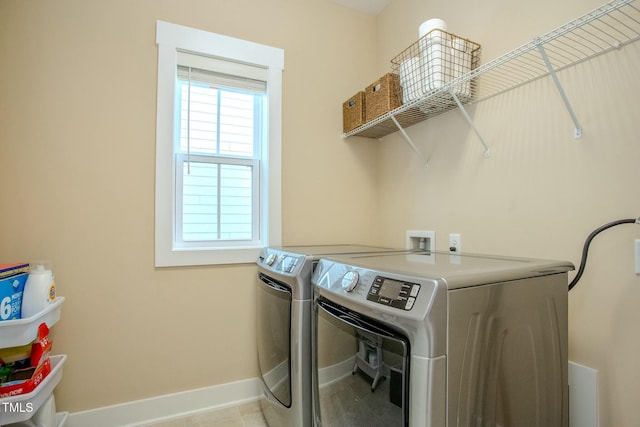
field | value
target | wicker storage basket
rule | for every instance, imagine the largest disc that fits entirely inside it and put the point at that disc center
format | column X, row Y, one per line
column 381, row 96
column 353, row 114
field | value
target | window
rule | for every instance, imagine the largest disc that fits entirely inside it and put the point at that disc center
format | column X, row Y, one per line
column 217, row 147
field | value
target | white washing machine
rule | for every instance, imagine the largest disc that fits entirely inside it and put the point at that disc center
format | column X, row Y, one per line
column 439, row 340
column 284, row 328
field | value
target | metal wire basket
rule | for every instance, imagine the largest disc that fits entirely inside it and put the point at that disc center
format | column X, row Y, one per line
column 437, row 62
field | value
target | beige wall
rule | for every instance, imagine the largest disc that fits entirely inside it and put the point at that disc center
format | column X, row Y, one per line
column 541, row 192
column 77, row 131
column 77, row 121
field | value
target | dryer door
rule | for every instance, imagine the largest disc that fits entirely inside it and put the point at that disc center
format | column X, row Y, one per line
column 274, row 337
column 361, row 370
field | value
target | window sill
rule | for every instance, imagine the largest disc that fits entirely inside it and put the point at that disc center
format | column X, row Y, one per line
column 192, row 256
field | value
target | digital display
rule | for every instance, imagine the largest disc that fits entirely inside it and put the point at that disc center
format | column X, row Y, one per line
column 288, row 263
column 390, row 289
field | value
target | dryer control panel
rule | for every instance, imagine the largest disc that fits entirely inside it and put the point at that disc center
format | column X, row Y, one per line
column 394, row 293
column 288, row 263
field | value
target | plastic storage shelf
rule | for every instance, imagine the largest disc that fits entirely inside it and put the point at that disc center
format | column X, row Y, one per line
column 37, row 396
column 14, row 333
column 61, row 419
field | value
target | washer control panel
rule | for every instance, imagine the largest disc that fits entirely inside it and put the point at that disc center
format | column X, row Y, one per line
column 394, row 293
column 350, row 280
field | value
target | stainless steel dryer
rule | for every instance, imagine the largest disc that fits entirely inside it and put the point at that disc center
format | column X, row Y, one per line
column 284, row 329
column 435, row 340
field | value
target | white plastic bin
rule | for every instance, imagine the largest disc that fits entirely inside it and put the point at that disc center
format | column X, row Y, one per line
column 27, row 404
column 14, row 333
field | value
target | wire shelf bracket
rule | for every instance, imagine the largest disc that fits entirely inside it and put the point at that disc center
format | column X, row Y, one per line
column 407, row 138
column 410, row 142
column 487, row 152
column 577, row 133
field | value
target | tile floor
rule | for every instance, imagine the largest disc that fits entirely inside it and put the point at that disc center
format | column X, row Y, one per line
column 245, row 415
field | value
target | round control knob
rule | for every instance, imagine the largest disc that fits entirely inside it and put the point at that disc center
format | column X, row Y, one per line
column 270, row 259
column 350, row 280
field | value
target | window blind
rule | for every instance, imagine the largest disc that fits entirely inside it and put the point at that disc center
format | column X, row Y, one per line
column 223, row 73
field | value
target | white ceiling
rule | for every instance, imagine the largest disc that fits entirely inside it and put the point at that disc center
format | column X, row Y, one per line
column 372, row 7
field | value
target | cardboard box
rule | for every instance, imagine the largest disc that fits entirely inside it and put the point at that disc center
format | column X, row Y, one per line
column 11, row 289
column 27, row 386
column 27, row 374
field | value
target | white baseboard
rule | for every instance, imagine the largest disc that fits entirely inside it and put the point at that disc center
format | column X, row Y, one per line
column 164, row 408
column 171, row 406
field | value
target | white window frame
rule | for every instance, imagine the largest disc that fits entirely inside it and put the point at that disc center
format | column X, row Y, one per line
column 171, row 39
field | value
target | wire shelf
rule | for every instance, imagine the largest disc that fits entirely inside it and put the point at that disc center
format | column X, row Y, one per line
column 606, row 28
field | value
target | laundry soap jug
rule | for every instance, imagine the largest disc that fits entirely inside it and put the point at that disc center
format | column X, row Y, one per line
column 40, row 289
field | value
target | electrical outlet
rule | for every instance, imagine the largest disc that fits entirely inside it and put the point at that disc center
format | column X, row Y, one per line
column 454, row 243
column 420, row 239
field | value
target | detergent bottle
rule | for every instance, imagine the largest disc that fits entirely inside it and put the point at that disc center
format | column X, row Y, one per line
column 40, row 289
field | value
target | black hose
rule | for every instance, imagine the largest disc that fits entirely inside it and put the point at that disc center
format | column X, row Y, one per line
column 587, row 242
